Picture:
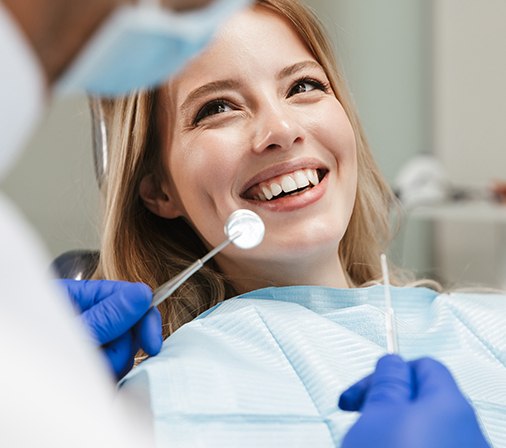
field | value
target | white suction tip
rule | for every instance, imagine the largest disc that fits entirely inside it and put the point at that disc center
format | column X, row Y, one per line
column 248, row 225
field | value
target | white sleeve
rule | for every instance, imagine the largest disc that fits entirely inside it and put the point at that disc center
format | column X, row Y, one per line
column 54, row 386
column 55, row 390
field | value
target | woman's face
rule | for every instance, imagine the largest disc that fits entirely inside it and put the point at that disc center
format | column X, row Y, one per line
column 253, row 123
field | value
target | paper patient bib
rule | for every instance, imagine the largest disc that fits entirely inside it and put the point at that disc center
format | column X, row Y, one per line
column 266, row 369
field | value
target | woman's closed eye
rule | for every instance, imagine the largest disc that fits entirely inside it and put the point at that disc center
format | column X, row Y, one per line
column 306, row 85
column 212, row 108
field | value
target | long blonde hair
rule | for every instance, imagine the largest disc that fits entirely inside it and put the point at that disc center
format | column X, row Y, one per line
column 137, row 245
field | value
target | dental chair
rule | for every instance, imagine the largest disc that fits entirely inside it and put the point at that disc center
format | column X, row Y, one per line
column 80, row 264
column 76, row 264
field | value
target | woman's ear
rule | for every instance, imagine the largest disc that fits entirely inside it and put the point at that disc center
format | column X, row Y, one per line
column 157, row 199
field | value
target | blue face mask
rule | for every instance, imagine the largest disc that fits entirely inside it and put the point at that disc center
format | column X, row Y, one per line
column 142, row 46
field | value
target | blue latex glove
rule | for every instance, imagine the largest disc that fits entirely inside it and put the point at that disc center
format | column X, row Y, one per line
column 414, row 404
column 117, row 317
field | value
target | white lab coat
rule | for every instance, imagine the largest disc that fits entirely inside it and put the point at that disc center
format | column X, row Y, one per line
column 55, row 390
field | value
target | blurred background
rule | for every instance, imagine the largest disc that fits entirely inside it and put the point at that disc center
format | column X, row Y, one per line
column 427, row 77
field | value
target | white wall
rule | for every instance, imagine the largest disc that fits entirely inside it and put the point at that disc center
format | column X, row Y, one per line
column 469, row 127
column 53, row 183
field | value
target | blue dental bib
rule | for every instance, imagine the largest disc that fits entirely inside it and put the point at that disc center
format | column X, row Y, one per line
column 267, row 368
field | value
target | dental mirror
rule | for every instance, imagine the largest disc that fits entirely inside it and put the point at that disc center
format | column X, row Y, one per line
column 248, row 225
column 244, row 228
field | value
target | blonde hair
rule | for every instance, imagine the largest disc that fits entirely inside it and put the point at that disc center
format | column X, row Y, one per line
column 137, row 245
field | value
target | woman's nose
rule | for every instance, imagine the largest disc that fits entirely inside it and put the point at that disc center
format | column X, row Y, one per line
column 276, row 128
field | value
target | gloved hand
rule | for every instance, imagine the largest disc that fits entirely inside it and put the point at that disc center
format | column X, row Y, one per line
column 414, row 404
column 117, row 317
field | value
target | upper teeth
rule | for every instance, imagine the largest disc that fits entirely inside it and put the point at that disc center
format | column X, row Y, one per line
column 287, row 183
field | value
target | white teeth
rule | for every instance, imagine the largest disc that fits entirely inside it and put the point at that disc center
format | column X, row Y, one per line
column 266, row 192
column 312, row 175
column 276, row 189
column 300, row 179
column 288, row 184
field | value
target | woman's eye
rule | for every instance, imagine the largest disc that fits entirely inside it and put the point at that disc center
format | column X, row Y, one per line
column 306, row 85
column 212, row 108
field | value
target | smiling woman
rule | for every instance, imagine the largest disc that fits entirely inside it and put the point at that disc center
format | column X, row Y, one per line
column 245, row 125
column 250, row 124
column 262, row 120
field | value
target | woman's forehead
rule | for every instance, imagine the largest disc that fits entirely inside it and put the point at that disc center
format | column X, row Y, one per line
column 253, row 42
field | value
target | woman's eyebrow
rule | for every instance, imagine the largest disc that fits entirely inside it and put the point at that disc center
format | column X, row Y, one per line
column 212, row 87
column 299, row 66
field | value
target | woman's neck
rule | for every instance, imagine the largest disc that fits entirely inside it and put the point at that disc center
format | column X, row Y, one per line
column 322, row 272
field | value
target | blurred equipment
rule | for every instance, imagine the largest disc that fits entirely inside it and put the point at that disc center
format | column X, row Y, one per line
column 423, row 181
column 499, row 191
column 390, row 324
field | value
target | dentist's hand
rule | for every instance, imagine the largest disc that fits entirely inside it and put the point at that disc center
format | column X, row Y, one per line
column 414, row 404
column 117, row 317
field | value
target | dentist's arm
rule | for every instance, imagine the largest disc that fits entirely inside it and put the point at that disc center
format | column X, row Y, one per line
column 118, row 317
column 414, row 404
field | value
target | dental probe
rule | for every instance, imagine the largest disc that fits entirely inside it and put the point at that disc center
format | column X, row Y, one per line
column 391, row 328
column 244, row 228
